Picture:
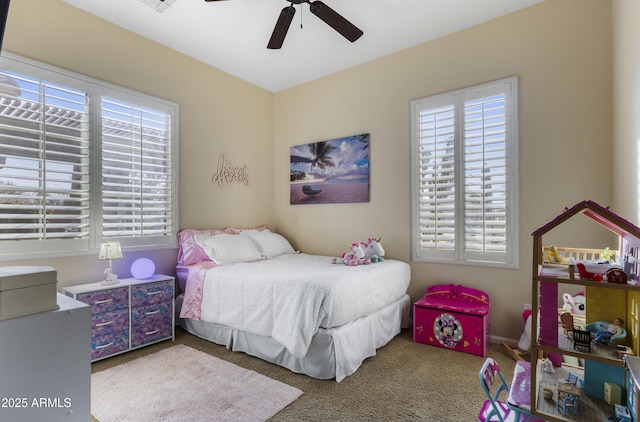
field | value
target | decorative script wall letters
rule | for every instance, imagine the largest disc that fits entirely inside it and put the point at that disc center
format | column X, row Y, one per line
column 227, row 173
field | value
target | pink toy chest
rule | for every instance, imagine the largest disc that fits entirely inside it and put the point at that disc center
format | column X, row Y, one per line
column 453, row 317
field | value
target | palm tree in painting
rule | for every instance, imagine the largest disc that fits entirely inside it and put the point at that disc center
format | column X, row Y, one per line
column 363, row 139
column 320, row 152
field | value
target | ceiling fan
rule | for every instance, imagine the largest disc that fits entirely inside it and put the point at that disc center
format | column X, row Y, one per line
column 318, row 8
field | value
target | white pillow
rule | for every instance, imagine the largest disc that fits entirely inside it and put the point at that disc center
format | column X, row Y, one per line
column 270, row 244
column 228, row 248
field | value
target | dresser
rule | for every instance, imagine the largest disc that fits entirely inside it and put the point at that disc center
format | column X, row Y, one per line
column 128, row 315
column 45, row 365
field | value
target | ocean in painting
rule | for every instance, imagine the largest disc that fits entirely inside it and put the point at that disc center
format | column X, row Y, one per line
column 333, row 192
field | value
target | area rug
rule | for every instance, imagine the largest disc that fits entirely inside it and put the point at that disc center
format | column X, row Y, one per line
column 183, row 384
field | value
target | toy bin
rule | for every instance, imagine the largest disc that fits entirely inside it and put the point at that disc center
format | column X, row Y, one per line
column 453, row 317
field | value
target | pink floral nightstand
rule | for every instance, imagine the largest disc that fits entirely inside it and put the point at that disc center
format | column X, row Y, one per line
column 128, row 315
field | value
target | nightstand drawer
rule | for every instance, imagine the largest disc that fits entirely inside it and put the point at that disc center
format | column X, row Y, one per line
column 151, row 323
column 150, row 293
column 106, row 300
column 110, row 322
column 128, row 315
column 109, row 344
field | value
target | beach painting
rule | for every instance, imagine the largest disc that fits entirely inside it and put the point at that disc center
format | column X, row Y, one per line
column 330, row 172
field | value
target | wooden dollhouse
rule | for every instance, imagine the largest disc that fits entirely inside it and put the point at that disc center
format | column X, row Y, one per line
column 602, row 372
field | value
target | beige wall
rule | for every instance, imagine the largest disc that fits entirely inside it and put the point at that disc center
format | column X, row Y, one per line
column 218, row 114
column 626, row 108
column 561, row 51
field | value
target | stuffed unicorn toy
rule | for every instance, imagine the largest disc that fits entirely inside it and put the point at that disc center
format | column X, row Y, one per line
column 354, row 257
column 373, row 250
column 575, row 304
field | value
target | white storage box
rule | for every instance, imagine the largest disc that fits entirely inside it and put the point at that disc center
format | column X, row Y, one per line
column 27, row 290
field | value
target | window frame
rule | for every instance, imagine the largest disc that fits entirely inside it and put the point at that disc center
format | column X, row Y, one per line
column 457, row 255
column 96, row 90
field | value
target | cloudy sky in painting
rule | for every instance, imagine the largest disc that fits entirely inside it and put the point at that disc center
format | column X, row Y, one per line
column 350, row 156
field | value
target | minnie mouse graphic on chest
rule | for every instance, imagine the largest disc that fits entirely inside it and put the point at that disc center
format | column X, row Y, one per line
column 447, row 330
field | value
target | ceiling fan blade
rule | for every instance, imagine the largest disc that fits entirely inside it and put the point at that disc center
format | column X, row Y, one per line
column 281, row 28
column 4, row 12
column 335, row 20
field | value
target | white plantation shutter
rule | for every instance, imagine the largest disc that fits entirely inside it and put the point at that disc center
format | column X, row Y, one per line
column 44, row 160
column 436, row 179
column 80, row 162
column 464, row 171
column 136, row 170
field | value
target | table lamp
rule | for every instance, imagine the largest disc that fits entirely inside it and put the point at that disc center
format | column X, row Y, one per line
column 110, row 251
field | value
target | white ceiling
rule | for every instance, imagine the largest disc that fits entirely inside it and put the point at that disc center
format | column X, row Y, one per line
column 232, row 35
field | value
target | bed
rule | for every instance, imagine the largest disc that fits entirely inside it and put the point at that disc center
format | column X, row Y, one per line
column 249, row 290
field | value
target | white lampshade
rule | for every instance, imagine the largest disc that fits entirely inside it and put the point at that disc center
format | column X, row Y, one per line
column 110, row 250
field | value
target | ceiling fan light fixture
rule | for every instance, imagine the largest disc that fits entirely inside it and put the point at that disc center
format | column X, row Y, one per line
column 159, row 6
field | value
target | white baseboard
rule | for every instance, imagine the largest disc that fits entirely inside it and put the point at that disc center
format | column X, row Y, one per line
column 499, row 340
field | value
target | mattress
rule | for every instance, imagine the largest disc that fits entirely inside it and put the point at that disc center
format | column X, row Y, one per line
column 289, row 298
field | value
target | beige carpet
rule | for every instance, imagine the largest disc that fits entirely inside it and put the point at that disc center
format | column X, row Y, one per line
column 404, row 381
column 183, row 384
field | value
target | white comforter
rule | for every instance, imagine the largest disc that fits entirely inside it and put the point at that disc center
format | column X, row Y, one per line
column 290, row 297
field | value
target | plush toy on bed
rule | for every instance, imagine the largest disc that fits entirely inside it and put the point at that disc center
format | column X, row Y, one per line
column 373, row 250
column 354, row 257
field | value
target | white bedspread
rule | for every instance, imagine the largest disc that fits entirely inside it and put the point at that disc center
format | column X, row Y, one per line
column 288, row 298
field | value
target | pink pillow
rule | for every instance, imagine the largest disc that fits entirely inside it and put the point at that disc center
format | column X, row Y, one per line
column 233, row 230
column 189, row 252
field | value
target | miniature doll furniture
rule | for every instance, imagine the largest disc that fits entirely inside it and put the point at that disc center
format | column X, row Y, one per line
column 566, row 319
column 453, row 317
column 595, row 326
column 568, row 402
column 572, row 379
column 581, row 338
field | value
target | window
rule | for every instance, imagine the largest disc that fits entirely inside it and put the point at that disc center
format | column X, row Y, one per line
column 81, row 162
column 465, row 179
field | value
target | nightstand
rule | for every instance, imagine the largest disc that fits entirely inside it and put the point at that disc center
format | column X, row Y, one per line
column 128, row 315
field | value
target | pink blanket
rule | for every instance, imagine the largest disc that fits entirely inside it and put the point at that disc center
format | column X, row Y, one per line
column 193, row 289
